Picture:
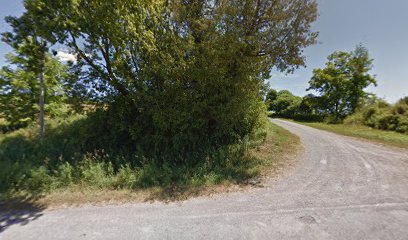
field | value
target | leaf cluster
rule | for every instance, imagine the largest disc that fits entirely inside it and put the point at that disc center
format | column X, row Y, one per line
column 342, row 82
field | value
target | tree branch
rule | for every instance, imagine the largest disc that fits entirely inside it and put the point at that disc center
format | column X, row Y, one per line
column 109, row 77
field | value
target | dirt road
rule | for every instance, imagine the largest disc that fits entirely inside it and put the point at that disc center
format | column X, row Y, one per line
column 342, row 188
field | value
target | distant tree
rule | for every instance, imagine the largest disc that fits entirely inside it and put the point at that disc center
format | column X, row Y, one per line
column 308, row 105
column 29, row 41
column 359, row 65
column 20, row 89
column 403, row 100
column 271, row 97
column 286, row 104
column 342, row 82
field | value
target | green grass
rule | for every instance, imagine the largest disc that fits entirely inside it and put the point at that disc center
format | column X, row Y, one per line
column 364, row 132
column 57, row 173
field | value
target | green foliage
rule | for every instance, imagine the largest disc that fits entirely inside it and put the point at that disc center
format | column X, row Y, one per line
column 19, row 90
column 37, row 180
column 379, row 114
column 62, row 161
column 285, row 104
column 179, row 86
column 127, row 178
column 95, row 172
column 180, row 78
column 271, row 96
column 341, row 84
column 64, row 175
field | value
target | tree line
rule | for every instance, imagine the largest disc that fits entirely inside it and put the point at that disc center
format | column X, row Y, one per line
column 340, row 96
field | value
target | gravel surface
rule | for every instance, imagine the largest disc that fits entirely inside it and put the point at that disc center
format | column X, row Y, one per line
column 342, row 188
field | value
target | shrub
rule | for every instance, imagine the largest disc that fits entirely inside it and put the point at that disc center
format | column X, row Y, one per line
column 387, row 122
column 97, row 174
column 72, row 156
column 382, row 115
column 331, row 119
column 400, row 108
column 64, row 175
column 355, row 119
column 402, row 125
column 38, row 180
column 127, row 177
column 11, row 174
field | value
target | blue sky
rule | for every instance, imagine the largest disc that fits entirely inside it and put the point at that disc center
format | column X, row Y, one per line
column 380, row 25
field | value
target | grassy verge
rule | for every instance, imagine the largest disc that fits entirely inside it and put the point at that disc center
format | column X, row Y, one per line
column 95, row 180
column 363, row 132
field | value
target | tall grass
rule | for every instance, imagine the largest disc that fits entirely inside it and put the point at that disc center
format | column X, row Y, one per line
column 65, row 160
column 360, row 131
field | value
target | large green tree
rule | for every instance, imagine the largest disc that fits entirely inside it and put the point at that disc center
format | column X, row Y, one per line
column 180, row 74
column 342, row 83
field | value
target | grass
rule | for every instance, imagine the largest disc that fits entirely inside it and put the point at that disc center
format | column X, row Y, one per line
column 45, row 178
column 277, row 151
column 363, row 132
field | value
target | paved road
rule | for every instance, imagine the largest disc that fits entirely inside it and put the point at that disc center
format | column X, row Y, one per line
column 342, row 189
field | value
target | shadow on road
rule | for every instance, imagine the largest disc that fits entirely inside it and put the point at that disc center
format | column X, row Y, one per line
column 18, row 211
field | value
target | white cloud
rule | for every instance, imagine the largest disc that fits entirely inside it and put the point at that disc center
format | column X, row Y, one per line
column 65, row 56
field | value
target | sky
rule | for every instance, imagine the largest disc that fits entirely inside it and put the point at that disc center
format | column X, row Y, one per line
column 380, row 25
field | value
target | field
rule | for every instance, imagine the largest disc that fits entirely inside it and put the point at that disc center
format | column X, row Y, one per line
column 375, row 135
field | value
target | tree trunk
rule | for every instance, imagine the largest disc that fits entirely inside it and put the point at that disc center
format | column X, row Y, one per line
column 42, row 102
column 336, row 115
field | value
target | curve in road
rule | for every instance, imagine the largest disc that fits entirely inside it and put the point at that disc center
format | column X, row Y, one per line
column 342, row 188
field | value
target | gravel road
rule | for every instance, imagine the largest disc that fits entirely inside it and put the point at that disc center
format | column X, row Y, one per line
column 342, row 188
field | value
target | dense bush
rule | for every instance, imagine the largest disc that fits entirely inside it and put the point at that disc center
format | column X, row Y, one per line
column 84, row 151
column 286, row 105
column 381, row 115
